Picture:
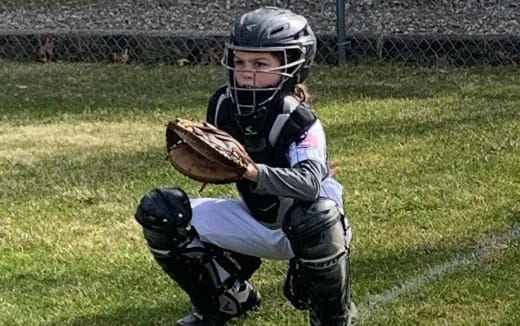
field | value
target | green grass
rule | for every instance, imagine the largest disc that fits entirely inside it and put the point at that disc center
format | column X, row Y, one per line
column 430, row 160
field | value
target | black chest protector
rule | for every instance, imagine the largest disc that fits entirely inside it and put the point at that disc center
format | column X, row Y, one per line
column 266, row 134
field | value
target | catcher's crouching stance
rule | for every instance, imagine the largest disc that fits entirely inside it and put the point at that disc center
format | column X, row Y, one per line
column 262, row 135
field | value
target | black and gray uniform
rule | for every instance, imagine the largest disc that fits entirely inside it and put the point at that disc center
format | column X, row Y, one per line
column 212, row 246
column 293, row 167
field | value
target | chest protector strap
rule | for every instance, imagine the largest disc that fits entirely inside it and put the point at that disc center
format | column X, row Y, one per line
column 295, row 119
column 286, row 127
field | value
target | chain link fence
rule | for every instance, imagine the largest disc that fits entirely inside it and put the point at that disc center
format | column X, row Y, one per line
column 426, row 32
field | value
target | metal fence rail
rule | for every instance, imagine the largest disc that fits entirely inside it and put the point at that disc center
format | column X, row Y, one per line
column 434, row 32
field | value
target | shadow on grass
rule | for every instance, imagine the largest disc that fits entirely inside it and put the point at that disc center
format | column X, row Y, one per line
column 412, row 89
column 368, row 91
column 104, row 90
column 99, row 91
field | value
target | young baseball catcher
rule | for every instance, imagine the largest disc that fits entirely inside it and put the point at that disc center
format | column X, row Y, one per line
column 262, row 135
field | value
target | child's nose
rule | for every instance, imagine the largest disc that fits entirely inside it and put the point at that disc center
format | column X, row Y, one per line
column 248, row 78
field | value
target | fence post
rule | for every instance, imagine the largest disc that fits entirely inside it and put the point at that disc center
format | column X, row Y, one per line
column 341, row 32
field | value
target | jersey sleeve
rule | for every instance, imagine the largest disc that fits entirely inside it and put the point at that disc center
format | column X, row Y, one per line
column 302, row 180
column 311, row 146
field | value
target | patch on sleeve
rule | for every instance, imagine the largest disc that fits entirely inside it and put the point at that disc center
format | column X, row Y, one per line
column 308, row 140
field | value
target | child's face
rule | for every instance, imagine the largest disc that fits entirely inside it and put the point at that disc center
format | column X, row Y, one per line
column 249, row 67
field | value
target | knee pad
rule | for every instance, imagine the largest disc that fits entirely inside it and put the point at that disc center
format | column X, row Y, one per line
column 319, row 273
column 165, row 215
column 315, row 230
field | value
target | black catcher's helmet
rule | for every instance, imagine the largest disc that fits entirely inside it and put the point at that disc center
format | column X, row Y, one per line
column 270, row 29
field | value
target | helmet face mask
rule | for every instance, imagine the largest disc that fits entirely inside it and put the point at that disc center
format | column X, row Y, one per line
column 249, row 97
column 269, row 30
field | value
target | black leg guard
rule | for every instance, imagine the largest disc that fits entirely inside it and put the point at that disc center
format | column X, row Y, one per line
column 294, row 288
column 206, row 273
column 317, row 238
column 213, row 278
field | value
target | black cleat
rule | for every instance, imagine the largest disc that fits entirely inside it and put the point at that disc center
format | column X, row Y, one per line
column 220, row 318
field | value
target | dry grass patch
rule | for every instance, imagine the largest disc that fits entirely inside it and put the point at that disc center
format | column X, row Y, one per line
column 29, row 144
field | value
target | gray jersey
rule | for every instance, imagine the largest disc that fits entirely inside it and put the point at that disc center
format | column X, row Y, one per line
column 308, row 177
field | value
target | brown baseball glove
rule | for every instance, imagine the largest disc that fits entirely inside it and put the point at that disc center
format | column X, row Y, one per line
column 204, row 152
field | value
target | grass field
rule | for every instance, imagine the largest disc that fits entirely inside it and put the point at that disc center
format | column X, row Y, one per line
column 430, row 160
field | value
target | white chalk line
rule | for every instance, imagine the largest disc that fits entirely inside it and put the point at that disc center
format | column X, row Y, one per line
column 484, row 249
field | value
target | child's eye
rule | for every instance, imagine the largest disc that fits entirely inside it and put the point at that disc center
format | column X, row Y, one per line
column 260, row 64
